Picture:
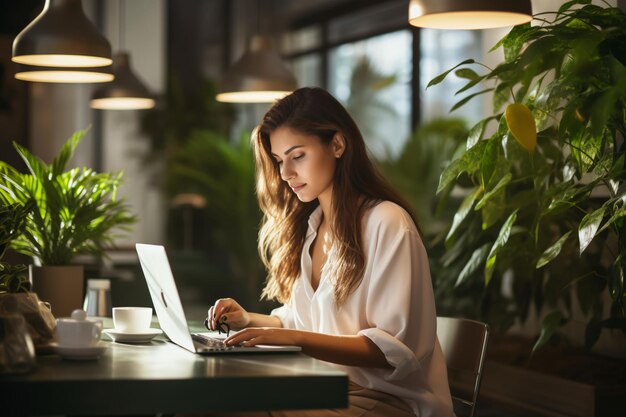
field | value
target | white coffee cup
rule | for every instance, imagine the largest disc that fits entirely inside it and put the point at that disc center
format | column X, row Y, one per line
column 77, row 331
column 132, row 319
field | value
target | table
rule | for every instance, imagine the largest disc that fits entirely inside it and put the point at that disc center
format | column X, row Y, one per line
column 161, row 377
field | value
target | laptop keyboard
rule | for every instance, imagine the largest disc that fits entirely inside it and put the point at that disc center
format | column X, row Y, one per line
column 210, row 342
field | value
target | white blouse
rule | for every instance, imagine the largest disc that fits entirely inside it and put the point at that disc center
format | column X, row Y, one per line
column 393, row 306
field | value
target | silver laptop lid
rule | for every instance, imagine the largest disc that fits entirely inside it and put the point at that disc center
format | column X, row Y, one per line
column 164, row 293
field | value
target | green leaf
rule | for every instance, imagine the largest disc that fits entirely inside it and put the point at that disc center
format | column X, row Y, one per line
column 619, row 166
column 499, row 186
column 36, row 166
column 619, row 204
column 464, row 209
column 471, row 75
column 589, row 226
column 567, row 5
column 550, row 323
column 553, row 251
column 476, row 133
column 467, row 86
column 501, row 240
column 67, row 152
column 585, row 148
column 468, row 98
column 477, row 259
column 510, row 38
column 514, row 41
column 468, row 73
column 602, row 108
column 488, row 161
column 468, row 162
column 539, row 49
column 438, row 79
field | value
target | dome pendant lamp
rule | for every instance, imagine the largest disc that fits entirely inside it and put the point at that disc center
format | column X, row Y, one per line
column 61, row 36
column 469, row 14
column 126, row 92
column 259, row 76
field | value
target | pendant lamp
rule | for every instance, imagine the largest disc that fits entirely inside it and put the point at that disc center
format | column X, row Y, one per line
column 63, row 75
column 61, row 36
column 469, row 14
column 126, row 92
column 259, row 76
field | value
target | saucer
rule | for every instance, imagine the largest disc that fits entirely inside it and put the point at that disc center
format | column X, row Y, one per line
column 79, row 353
column 132, row 337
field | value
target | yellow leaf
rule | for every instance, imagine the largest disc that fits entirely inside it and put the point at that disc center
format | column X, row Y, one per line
column 521, row 123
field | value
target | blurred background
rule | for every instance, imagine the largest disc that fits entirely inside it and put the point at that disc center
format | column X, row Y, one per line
column 189, row 172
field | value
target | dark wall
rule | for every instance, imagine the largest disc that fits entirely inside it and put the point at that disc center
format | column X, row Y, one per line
column 17, row 14
column 14, row 17
column 197, row 40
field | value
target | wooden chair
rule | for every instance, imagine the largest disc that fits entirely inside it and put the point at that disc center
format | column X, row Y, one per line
column 464, row 343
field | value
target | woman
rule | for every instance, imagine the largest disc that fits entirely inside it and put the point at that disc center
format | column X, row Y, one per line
column 345, row 257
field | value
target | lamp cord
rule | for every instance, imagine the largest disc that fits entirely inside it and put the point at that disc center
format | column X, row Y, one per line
column 258, row 18
column 121, row 21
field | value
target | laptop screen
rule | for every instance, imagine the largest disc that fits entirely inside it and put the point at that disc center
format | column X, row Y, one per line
column 164, row 294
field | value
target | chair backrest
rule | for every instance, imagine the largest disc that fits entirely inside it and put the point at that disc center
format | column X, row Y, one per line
column 464, row 343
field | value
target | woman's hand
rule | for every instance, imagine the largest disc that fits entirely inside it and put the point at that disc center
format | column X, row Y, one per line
column 253, row 336
column 228, row 311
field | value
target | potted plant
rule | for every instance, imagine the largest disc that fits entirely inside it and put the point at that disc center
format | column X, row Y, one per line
column 541, row 230
column 74, row 212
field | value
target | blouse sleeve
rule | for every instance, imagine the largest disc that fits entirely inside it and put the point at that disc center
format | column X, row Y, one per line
column 285, row 315
column 400, row 306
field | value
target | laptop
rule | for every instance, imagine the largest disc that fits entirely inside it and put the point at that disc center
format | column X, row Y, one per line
column 169, row 310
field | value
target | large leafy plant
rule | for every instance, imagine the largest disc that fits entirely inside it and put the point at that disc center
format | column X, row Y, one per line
column 75, row 211
column 544, row 225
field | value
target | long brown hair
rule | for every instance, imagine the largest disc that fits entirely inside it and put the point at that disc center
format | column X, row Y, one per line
column 357, row 186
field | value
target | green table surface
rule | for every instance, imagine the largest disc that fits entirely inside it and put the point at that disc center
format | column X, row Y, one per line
column 160, row 377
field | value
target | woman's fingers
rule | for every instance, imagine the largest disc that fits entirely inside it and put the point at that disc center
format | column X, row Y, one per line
column 220, row 307
column 241, row 337
column 210, row 322
column 226, row 310
column 253, row 336
column 214, row 313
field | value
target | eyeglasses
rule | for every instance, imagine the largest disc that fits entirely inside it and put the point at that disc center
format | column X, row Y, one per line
column 222, row 326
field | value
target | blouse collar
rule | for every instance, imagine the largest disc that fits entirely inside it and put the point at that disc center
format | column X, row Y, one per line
column 314, row 220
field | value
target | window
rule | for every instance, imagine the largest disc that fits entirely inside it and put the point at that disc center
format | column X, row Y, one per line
column 372, row 78
column 308, row 70
column 365, row 57
column 441, row 50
